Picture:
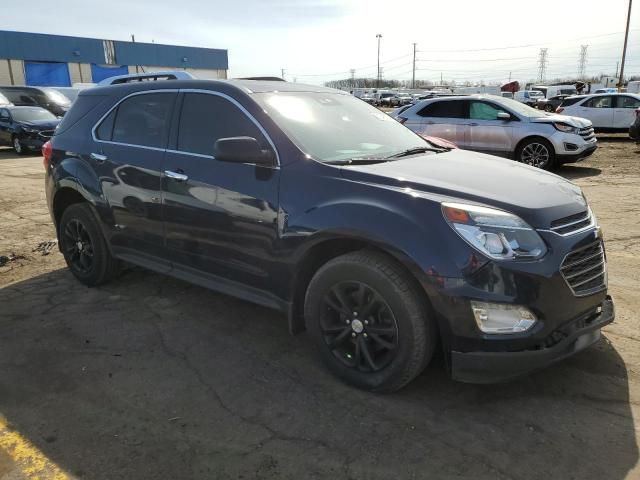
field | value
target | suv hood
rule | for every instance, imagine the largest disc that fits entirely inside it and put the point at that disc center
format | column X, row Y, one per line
column 573, row 121
column 537, row 196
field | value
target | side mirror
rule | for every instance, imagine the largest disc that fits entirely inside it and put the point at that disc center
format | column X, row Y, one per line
column 242, row 150
column 503, row 116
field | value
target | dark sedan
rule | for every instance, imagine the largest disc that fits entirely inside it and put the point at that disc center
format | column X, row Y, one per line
column 550, row 104
column 26, row 128
column 634, row 130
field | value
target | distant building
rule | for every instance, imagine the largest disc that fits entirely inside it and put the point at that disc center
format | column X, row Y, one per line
column 55, row 60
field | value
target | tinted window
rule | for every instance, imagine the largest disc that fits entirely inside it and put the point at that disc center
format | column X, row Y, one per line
column 144, row 120
column 32, row 114
column 105, row 130
column 25, row 96
column 570, row 101
column 483, row 111
column 206, row 118
column 445, row 109
column 624, row 101
column 599, row 102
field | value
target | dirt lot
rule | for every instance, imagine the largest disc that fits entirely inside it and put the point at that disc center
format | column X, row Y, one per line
column 152, row 378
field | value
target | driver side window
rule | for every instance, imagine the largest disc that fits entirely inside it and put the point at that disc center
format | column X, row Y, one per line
column 483, row 111
column 599, row 102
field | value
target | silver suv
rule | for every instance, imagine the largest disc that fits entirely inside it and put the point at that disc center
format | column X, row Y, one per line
column 504, row 127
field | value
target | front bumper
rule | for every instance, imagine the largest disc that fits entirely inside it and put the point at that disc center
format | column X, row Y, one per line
column 491, row 367
column 576, row 157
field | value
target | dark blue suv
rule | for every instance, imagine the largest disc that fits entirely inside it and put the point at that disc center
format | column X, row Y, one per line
column 310, row 201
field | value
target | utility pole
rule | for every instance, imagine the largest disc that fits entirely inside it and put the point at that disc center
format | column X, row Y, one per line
column 133, row 40
column 353, row 77
column 617, row 66
column 582, row 62
column 542, row 64
column 378, row 36
column 282, row 73
column 440, row 78
column 624, row 49
column 413, row 77
column 509, row 77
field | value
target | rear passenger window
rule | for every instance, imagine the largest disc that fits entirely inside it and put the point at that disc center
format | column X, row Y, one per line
column 599, row 102
column 624, row 101
column 140, row 120
column 205, row 118
column 570, row 101
column 446, row 109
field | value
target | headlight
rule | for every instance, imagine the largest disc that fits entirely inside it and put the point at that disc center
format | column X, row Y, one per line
column 495, row 233
column 29, row 130
column 563, row 127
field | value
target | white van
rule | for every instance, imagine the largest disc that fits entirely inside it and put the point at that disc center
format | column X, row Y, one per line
column 633, row 87
column 553, row 90
column 530, row 97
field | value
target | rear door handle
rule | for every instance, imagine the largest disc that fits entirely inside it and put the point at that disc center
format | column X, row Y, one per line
column 98, row 157
column 177, row 176
column 473, row 124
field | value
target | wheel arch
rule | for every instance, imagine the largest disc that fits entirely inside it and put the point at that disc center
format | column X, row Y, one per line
column 330, row 247
column 528, row 139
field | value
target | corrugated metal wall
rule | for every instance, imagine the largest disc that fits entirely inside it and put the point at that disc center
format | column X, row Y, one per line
column 58, row 48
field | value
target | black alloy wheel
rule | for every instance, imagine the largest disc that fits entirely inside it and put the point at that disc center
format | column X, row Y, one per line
column 77, row 246
column 359, row 327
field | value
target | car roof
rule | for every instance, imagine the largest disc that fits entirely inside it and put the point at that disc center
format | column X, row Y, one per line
column 246, row 86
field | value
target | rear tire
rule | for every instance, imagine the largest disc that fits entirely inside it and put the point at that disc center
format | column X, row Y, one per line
column 549, row 108
column 536, row 152
column 369, row 321
column 84, row 247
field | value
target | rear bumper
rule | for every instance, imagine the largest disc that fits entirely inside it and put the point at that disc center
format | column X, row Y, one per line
column 491, row 367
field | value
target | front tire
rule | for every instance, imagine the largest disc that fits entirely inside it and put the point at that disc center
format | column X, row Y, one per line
column 84, row 247
column 536, row 152
column 369, row 322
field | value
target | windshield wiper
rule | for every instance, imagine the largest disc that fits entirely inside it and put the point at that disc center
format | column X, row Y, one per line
column 357, row 161
column 416, row 150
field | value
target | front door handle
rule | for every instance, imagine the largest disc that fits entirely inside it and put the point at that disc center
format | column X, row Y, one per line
column 177, row 176
column 98, row 157
column 473, row 124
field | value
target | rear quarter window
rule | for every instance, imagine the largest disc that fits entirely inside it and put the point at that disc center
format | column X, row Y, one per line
column 83, row 105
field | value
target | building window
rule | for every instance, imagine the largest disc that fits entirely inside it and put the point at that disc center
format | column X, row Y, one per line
column 109, row 52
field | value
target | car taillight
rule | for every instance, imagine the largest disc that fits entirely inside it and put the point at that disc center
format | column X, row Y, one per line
column 47, row 151
column 402, row 119
column 559, row 110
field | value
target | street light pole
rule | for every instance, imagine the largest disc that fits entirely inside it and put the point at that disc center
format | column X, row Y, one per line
column 413, row 77
column 378, row 36
column 624, row 49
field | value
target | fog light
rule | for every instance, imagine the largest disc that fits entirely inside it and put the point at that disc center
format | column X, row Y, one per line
column 502, row 318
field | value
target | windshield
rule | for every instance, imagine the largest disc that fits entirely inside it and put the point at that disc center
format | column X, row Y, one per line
column 32, row 114
column 57, row 97
column 519, row 108
column 330, row 126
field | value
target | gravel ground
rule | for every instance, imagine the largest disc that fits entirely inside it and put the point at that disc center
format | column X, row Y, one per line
column 153, row 378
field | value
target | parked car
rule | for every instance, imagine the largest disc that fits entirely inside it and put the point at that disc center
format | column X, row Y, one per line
column 550, row 104
column 506, row 94
column 634, row 129
column 504, row 127
column 44, row 97
column 528, row 97
column 70, row 92
column 383, row 99
column 368, row 98
column 612, row 112
column 26, row 128
column 400, row 99
column 307, row 200
column 605, row 90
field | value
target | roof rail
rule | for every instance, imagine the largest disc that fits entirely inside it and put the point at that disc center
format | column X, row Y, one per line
column 272, row 79
column 146, row 77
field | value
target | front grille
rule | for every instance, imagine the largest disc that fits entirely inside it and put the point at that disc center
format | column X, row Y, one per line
column 584, row 269
column 587, row 133
column 46, row 133
column 572, row 223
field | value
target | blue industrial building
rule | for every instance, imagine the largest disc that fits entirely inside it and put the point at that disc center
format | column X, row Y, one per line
column 56, row 60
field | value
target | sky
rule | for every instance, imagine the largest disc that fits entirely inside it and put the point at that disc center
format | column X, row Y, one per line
column 319, row 40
